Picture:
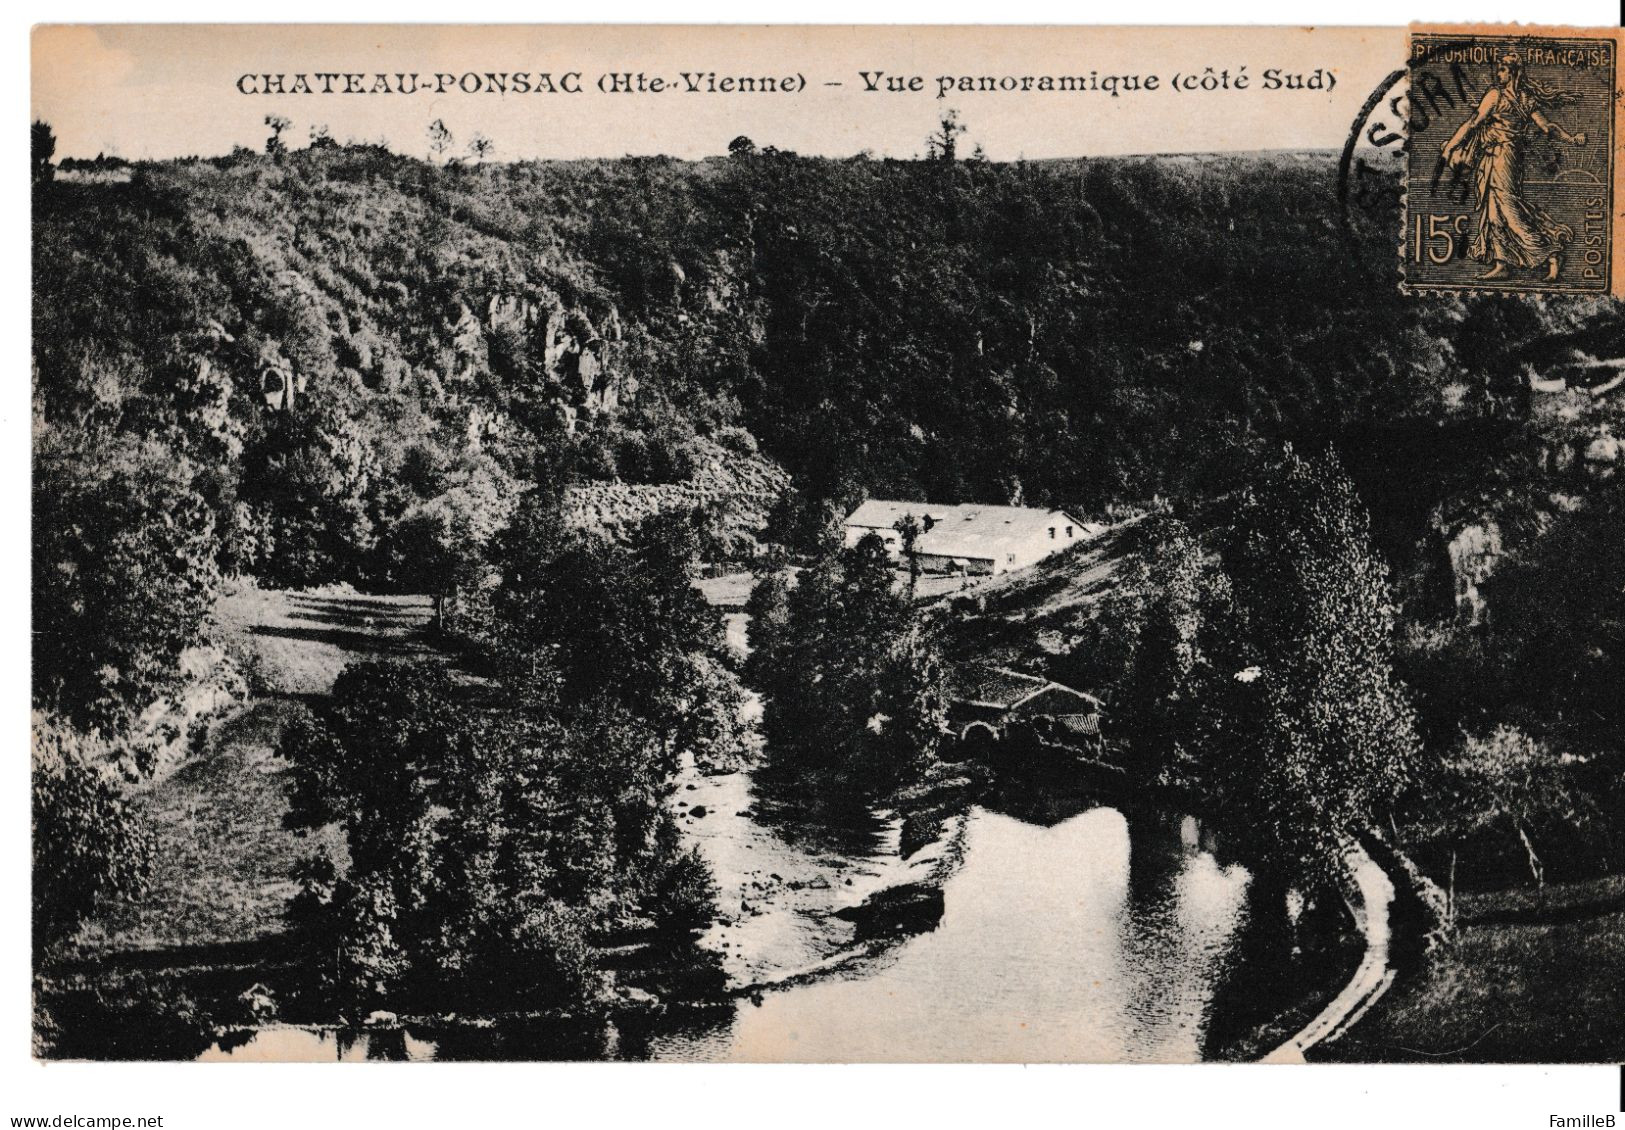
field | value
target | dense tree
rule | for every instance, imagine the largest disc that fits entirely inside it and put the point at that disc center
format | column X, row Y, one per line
column 711, row 722
column 971, row 333
column 527, row 866
column 125, row 577
column 367, row 762
column 310, row 475
column 441, row 545
column 440, row 139
column 485, row 846
column 370, row 762
column 851, row 680
column 1164, row 647
column 1557, row 627
column 951, row 330
column 1506, row 784
column 278, row 125
column 943, row 145
column 767, row 612
column 1259, row 679
column 909, row 530
column 1335, row 743
column 622, row 621
column 42, row 147
column 909, row 739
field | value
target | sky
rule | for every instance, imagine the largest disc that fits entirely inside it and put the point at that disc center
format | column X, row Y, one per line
column 158, row 91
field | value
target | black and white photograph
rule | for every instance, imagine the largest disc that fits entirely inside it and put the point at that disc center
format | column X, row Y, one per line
column 826, row 545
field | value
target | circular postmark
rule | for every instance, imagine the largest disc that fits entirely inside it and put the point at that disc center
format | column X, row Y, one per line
column 1376, row 163
column 1371, row 176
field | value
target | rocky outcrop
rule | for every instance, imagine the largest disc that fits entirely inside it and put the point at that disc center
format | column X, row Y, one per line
column 1604, row 454
column 745, row 486
column 566, row 349
column 578, row 361
column 468, row 346
column 908, row 908
column 1473, row 548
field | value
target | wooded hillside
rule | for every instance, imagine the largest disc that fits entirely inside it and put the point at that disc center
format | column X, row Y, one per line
column 1075, row 333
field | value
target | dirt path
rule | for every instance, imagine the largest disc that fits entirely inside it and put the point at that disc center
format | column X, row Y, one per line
column 223, row 858
column 1370, row 894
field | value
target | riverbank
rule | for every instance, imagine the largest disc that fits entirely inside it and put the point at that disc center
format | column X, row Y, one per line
column 825, row 916
column 1528, row 977
column 788, row 881
column 1369, row 895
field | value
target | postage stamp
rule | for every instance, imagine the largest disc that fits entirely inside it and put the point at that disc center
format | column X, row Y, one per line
column 1511, row 168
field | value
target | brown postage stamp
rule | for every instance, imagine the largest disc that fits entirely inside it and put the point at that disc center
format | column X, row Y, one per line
column 1513, row 172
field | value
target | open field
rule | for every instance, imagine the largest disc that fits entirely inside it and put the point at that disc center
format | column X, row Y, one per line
column 223, row 858
column 1025, row 616
column 1528, row 978
column 730, row 590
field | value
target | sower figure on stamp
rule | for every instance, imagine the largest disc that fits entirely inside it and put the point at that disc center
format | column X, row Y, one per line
column 1510, row 228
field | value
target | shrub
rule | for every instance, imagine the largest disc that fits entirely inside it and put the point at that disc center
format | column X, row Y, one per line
column 124, row 580
column 89, row 845
column 551, row 962
column 685, row 896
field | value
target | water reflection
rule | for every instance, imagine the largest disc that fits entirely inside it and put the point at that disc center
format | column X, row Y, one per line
column 305, row 1045
column 1176, row 936
column 1031, row 927
column 1056, row 943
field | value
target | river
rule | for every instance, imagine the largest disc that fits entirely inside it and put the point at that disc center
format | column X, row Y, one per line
column 1063, row 935
column 1039, row 927
column 1036, row 924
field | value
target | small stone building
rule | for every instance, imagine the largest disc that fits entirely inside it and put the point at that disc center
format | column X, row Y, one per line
column 984, row 697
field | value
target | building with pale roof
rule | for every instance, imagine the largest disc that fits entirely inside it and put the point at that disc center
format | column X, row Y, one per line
column 970, row 538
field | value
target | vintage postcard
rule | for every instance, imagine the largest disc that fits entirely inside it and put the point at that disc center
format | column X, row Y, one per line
column 789, row 544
